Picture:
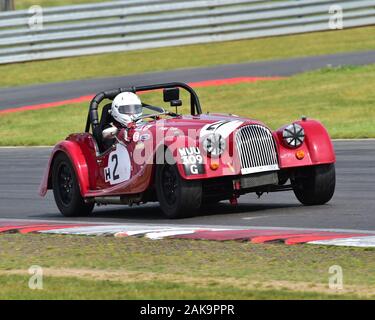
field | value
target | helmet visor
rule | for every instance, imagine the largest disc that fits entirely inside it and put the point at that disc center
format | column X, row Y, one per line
column 130, row 109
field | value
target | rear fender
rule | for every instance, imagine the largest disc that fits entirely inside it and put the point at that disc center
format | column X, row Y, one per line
column 78, row 160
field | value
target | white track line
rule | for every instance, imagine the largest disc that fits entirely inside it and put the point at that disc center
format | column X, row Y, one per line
column 364, row 242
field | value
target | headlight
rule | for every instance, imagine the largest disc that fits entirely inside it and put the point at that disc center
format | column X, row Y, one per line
column 294, row 135
column 214, row 144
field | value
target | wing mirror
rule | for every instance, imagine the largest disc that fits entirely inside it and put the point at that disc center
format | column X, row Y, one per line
column 110, row 133
column 172, row 95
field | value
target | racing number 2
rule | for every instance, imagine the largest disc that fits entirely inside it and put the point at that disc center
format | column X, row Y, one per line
column 119, row 166
column 115, row 160
column 114, row 165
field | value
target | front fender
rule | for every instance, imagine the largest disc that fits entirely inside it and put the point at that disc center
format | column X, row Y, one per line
column 317, row 146
column 192, row 169
column 318, row 149
column 78, row 160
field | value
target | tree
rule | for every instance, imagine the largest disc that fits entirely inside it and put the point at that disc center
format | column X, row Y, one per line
column 6, row 5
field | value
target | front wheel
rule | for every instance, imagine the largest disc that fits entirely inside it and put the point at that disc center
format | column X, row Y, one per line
column 178, row 198
column 66, row 189
column 315, row 185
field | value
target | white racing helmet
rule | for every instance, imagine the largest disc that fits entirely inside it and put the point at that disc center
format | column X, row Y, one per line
column 126, row 107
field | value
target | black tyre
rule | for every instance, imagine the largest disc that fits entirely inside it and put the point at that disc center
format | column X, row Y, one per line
column 178, row 198
column 315, row 185
column 66, row 189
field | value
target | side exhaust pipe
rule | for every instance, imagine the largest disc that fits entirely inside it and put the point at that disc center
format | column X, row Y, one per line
column 119, row 200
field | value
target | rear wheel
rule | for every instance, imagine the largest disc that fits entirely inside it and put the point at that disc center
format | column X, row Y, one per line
column 315, row 185
column 178, row 198
column 66, row 189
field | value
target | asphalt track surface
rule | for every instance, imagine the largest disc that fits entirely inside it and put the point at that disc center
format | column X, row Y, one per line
column 52, row 92
column 353, row 206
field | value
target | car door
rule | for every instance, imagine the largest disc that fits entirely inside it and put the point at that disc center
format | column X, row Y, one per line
column 115, row 166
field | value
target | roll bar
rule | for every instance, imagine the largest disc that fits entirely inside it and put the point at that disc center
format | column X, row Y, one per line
column 93, row 116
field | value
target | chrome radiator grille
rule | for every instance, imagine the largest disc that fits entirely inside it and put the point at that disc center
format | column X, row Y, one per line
column 256, row 149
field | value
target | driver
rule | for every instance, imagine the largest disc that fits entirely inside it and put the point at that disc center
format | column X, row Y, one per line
column 126, row 108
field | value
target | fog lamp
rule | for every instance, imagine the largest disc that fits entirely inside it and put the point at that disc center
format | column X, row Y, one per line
column 300, row 154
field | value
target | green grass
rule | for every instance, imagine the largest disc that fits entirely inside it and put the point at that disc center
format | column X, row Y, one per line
column 123, row 63
column 16, row 288
column 25, row 4
column 78, row 267
column 342, row 99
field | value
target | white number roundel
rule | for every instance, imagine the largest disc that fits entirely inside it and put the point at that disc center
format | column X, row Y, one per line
column 119, row 166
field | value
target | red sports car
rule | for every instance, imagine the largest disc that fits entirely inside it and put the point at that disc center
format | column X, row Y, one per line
column 186, row 161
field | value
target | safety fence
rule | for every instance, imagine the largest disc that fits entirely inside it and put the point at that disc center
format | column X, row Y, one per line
column 45, row 33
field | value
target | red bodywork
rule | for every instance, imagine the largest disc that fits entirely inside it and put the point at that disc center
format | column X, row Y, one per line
column 90, row 166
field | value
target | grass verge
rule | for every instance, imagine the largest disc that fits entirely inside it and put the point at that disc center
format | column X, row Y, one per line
column 133, row 62
column 342, row 99
column 134, row 268
column 25, row 4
